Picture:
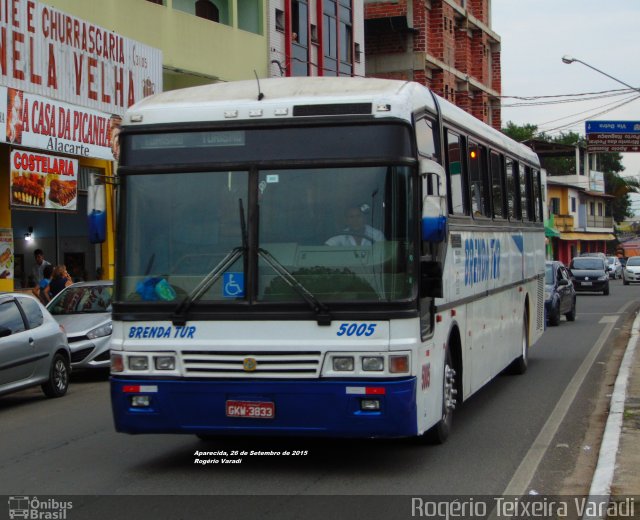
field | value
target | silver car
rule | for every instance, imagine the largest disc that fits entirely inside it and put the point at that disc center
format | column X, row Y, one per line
column 33, row 347
column 615, row 267
column 84, row 311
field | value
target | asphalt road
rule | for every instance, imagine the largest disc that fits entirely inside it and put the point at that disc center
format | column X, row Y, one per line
column 505, row 438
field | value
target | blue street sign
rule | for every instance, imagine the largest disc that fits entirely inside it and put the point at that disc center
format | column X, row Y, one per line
column 612, row 127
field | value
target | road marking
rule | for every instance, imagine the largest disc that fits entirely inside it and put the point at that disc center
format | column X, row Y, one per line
column 527, row 469
column 608, row 319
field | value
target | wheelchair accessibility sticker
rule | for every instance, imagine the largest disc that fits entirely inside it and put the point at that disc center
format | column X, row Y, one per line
column 233, row 285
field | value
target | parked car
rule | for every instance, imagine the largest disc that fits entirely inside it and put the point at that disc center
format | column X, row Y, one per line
column 631, row 271
column 559, row 294
column 84, row 310
column 33, row 347
column 590, row 273
column 615, row 267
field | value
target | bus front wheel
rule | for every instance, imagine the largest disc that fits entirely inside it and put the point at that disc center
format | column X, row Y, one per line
column 439, row 433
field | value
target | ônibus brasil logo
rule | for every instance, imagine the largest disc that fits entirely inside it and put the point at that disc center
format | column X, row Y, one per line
column 36, row 509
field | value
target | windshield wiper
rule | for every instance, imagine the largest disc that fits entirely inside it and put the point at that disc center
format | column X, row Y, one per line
column 320, row 309
column 181, row 312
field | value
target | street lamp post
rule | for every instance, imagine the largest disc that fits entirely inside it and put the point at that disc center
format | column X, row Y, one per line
column 570, row 59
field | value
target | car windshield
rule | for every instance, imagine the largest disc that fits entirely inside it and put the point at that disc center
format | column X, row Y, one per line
column 548, row 274
column 611, row 259
column 589, row 263
column 633, row 261
column 82, row 299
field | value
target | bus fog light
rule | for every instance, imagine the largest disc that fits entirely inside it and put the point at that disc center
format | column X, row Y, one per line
column 140, row 401
column 343, row 364
column 117, row 363
column 138, row 363
column 370, row 404
column 399, row 364
column 164, row 362
column 373, row 363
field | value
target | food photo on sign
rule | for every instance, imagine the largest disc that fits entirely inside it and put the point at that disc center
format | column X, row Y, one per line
column 6, row 253
column 43, row 181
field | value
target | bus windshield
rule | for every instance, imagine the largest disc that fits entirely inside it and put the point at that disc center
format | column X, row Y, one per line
column 342, row 233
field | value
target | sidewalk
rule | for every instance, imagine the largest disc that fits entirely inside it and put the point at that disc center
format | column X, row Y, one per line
column 617, row 473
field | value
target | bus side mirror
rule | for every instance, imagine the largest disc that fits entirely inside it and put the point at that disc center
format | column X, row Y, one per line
column 431, row 280
column 434, row 202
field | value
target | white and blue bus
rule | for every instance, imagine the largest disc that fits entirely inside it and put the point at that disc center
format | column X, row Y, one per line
column 343, row 257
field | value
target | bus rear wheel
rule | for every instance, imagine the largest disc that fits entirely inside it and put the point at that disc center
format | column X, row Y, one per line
column 520, row 364
column 439, row 433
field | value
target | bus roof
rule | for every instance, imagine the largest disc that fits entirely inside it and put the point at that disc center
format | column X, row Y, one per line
column 276, row 98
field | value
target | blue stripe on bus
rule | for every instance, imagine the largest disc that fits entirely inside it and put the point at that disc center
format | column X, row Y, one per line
column 313, row 408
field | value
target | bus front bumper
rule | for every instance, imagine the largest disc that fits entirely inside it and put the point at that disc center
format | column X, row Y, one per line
column 323, row 408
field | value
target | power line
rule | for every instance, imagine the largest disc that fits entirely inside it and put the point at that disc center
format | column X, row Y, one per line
column 530, row 98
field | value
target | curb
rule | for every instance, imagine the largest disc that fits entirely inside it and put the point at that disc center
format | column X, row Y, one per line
column 603, row 476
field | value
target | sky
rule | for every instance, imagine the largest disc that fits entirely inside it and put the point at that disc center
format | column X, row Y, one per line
column 535, row 34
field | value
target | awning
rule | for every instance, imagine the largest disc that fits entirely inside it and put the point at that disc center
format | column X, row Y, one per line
column 551, row 232
column 587, row 236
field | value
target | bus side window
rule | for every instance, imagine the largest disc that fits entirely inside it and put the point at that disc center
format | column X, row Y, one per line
column 497, row 191
column 537, row 195
column 480, row 202
column 455, row 174
column 425, row 138
column 524, row 192
column 512, row 192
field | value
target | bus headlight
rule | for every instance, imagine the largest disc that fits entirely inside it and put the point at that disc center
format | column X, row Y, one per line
column 138, row 363
column 343, row 364
column 164, row 362
column 373, row 363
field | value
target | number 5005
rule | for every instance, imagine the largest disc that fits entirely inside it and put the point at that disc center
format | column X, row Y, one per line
column 356, row 329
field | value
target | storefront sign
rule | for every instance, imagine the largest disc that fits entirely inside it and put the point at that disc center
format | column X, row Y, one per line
column 47, row 52
column 43, row 181
column 6, row 253
column 58, row 127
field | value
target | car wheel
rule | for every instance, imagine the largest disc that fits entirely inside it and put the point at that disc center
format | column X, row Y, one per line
column 606, row 290
column 571, row 315
column 554, row 315
column 58, row 382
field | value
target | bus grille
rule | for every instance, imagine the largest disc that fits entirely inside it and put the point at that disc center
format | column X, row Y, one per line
column 265, row 365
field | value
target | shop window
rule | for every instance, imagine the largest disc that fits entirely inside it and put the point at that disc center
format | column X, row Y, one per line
column 592, row 209
column 337, row 38
column 250, row 15
column 573, row 204
column 554, row 204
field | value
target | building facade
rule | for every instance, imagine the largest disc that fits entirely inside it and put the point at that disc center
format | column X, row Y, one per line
column 447, row 45
column 582, row 218
column 316, row 38
column 68, row 70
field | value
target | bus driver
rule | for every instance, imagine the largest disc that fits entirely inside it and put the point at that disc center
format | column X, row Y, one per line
column 357, row 233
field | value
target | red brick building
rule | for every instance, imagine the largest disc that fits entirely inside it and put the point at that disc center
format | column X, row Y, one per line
column 447, row 45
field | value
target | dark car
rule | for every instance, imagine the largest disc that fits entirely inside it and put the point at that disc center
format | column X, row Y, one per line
column 590, row 273
column 559, row 294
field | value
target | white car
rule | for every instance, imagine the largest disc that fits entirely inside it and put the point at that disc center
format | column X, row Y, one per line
column 631, row 271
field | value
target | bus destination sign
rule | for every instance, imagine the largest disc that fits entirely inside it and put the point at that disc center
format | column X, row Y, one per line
column 613, row 136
